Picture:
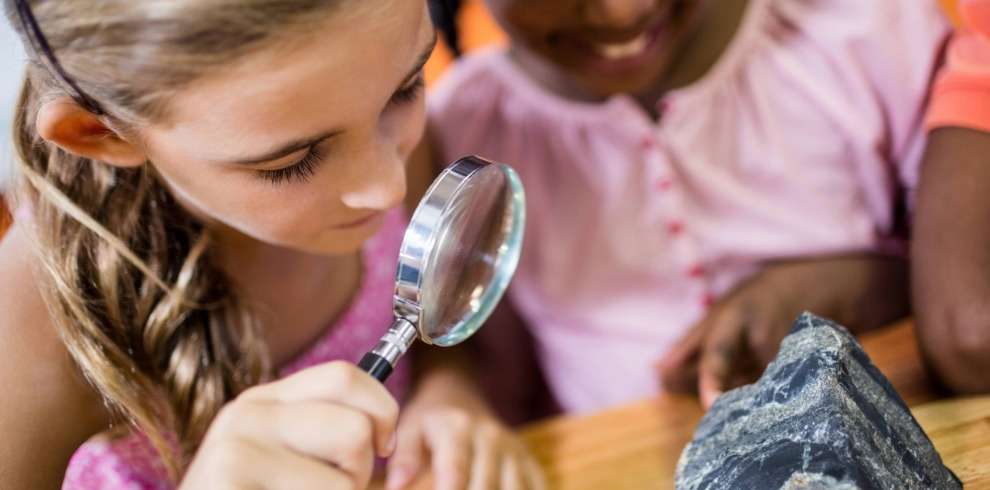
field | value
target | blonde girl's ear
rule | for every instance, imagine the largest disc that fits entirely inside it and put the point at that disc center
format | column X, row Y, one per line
column 76, row 130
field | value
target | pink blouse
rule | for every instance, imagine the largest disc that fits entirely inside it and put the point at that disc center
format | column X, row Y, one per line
column 803, row 140
column 131, row 462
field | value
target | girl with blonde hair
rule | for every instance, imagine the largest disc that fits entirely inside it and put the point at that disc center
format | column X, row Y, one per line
column 205, row 203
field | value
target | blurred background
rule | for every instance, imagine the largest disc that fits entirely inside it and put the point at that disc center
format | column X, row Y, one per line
column 11, row 59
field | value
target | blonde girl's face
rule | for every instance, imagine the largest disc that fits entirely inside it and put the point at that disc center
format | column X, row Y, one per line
column 304, row 146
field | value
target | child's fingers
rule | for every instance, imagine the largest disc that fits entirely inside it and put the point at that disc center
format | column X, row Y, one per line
column 285, row 469
column 720, row 355
column 406, row 462
column 687, row 348
column 534, row 474
column 487, row 457
column 519, row 462
column 326, row 432
column 766, row 333
column 448, row 435
column 678, row 369
column 342, row 383
column 682, row 380
column 512, row 477
column 243, row 462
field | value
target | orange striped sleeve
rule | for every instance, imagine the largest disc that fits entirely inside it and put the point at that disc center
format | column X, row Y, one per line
column 961, row 92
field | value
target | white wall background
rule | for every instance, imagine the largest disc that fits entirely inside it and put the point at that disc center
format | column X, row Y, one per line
column 11, row 68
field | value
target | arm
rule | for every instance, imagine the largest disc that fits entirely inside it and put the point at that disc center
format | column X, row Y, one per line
column 951, row 258
column 742, row 332
column 47, row 409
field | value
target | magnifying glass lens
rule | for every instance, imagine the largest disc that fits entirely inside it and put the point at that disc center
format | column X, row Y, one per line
column 464, row 277
column 457, row 256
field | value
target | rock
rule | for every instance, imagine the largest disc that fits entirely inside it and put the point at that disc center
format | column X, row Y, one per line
column 821, row 416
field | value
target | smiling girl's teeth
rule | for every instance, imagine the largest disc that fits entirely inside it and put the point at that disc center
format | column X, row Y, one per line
column 624, row 50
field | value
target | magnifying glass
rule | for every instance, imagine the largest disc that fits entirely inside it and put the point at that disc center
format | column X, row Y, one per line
column 457, row 256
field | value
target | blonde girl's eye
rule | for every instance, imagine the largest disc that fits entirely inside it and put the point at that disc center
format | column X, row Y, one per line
column 306, row 167
column 411, row 92
column 300, row 171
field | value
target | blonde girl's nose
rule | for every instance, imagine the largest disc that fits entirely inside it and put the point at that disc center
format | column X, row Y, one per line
column 380, row 186
column 616, row 13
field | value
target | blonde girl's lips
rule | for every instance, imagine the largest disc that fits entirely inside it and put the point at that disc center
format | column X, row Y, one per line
column 361, row 222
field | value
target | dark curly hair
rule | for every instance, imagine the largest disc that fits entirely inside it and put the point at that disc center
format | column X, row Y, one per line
column 444, row 13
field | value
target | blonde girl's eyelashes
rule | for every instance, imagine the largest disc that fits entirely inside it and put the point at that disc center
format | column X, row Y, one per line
column 300, row 171
column 306, row 167
column 411, row 92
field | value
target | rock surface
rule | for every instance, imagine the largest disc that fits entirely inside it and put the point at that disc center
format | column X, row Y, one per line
column 821, row 416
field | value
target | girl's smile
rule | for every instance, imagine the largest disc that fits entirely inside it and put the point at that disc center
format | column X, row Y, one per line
column 617, row 52
column 602, row 46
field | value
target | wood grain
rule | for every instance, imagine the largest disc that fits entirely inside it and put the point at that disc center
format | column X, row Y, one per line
column 960, row 430
column 631, row 447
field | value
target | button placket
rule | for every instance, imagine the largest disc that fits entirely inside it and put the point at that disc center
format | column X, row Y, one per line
column 655, row 168
column 677, row 230
column 663, row 106
column 658, row 170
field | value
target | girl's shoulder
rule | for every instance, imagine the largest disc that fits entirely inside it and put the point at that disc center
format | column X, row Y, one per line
column 784, row 34
column 852, row 57
column 48, row 409
column 874, row 33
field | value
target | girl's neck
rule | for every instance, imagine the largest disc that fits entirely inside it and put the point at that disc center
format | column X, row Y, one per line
column 701, row 51
column 706, row 46
column 297, row 295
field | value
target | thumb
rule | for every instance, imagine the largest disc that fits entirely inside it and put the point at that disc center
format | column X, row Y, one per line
column 687, row 347
column 720, row 356
column 407, row 461
column 678, row 369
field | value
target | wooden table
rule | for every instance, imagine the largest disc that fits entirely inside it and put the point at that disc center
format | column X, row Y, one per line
column 636, row 446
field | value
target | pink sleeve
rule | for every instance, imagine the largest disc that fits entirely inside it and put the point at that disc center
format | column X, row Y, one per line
column 961, row 93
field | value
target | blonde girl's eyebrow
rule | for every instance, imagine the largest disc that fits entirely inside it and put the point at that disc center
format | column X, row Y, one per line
column 420, row 62
column 287, row 149
column 302, row 144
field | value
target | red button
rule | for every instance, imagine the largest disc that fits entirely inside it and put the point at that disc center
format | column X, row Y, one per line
column 675, row 227
column 708, row 299
column 664, row 184
column 663, row 106
column 697, row 271
column 648, row 143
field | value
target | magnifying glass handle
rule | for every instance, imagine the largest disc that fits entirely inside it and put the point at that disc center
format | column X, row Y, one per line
column 380, row 362
column 377, row 366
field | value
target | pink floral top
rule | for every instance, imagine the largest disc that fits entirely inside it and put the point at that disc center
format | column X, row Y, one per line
column 131, row 462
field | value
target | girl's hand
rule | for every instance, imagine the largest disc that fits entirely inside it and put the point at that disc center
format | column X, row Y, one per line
column 742, row 332
column 318, row 428
column 448, row 423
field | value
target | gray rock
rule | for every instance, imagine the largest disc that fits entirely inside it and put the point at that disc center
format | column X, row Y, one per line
column 821, row 416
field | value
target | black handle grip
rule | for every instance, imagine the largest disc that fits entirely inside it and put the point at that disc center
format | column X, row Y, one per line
column 376, row 366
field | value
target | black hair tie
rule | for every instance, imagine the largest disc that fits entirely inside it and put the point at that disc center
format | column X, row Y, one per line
column 38, row 43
